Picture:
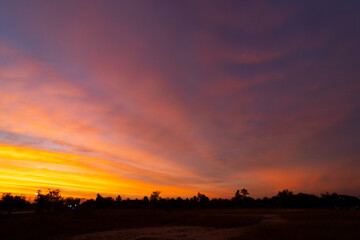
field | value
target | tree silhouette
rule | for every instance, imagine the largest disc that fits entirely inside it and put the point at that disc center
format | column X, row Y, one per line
column 244, row 192
column 49, row 202
column 118, row 202
column 285, row 193
column 284, row 199
column 10, row 202
column 237, row 196
column 102, row 202
column 155, row 196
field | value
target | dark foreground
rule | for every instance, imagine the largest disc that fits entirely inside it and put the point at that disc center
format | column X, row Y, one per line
column 184, row 224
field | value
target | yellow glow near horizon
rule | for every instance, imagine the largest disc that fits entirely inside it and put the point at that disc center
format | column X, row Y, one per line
column 25, row 170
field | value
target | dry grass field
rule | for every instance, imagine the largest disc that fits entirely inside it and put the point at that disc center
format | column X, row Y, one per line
column 184, row 224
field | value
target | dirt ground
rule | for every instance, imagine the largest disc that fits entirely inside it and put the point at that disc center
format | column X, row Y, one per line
column 181, row 232
column 210, row 224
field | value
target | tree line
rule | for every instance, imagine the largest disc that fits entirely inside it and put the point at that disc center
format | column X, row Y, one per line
column 53, row 201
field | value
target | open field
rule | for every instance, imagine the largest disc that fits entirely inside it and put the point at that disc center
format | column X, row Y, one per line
column 184, row 224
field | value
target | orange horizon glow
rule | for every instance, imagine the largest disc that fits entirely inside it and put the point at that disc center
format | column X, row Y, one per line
column 24, row 171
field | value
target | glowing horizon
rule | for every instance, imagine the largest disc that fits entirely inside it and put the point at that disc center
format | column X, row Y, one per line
column 26, row 170
column 181, row 97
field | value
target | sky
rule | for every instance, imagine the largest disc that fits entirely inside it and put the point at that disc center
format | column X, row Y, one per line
column 129, row 97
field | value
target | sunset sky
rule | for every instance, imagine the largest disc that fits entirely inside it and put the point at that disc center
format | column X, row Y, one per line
column 129, row 97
